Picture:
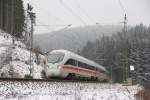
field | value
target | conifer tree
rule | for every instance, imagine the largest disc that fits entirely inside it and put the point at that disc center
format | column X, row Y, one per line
column 12, row 16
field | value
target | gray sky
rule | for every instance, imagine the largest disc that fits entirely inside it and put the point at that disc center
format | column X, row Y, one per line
column 59, row 13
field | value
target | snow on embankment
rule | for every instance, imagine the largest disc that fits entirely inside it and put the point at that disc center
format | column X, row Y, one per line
column 6, row 40
column 15, row 59
column 66, row 91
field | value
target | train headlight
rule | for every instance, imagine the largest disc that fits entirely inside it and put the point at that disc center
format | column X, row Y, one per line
column 59, row 67
column 47, row 66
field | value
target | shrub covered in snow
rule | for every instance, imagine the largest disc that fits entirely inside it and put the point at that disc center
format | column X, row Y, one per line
column 16, row 61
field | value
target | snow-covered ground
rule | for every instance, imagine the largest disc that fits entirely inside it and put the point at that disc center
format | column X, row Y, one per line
column 65, row 91
column 20, row 56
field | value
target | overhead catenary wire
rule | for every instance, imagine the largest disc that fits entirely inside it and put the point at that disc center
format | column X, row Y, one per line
column 58, row 19
column 44, row 25
column 90, row 18
column 84, row 11
column 67, row 7
column 72, row 12
column 122, row 7
column 86, row 14
column 48, row 26
column 125, row 15
column 40, row 23
column 79, row 16
column 66, row 36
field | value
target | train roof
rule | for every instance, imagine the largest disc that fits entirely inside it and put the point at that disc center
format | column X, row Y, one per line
column 80, row 58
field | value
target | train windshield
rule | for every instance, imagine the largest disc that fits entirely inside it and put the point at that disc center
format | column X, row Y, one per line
column 55, row 58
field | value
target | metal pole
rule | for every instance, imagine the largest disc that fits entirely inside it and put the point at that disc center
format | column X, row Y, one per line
column 31, row 49
column 125, row 69
column 31, row 44
column 125, row 30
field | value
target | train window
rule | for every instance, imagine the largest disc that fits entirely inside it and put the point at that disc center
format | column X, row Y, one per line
column 71, row 62
column 101, row 71
column 91, row 67
column 55, row 58
column 96, row 69
column 84, row 65
column 80, row 64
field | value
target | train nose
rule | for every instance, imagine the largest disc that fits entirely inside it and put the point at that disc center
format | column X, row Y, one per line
column 53, row 70
column 50, row 67
column 54, row 73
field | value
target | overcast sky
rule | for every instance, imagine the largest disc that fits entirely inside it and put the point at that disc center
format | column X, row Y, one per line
column 57, row 14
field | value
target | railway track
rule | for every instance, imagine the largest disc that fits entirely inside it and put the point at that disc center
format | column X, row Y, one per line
column 46, row 80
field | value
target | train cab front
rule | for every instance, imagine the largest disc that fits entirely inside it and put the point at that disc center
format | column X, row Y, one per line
column 53, row 66
column 53, row 70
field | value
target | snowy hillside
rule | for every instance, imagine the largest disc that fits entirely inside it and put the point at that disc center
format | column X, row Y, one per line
column 66, row 91
column 15, row 59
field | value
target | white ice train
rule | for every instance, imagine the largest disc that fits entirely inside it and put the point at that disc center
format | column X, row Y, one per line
column 66, row 64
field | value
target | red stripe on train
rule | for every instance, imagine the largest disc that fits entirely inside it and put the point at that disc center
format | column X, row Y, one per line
column 79, row 69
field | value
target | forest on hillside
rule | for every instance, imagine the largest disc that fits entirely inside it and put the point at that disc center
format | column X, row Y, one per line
column 119, row 51
column 12, row 17
column 17, row 20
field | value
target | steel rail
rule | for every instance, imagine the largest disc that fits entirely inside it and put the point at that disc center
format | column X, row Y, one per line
column 47, row 80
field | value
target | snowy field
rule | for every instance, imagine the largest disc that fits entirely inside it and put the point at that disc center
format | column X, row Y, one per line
column 65, row 91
